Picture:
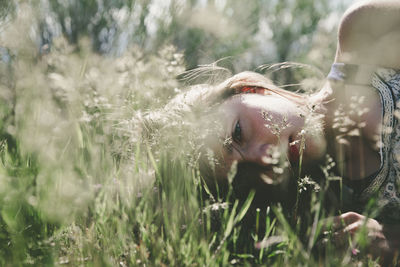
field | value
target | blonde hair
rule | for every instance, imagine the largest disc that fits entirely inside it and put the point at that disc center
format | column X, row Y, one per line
column 205, row 95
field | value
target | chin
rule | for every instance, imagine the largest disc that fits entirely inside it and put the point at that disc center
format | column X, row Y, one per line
column 270, row 189
column 315, row 150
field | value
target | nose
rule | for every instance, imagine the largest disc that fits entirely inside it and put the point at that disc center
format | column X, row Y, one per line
column 263, row 154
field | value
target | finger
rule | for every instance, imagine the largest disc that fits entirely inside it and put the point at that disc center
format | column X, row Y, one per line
column 353, row 228
column 346, row 219
column 340, row 222
column 345, row 236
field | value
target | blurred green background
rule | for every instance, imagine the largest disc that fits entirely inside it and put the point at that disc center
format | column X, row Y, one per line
column 249, row 34
column 78, row 185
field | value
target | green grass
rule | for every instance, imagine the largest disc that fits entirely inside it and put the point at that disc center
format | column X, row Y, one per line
column 79, row 185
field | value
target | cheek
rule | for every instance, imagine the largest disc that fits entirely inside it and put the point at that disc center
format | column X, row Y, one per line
column 282, row 125
column 259, row 127
column 315, row 148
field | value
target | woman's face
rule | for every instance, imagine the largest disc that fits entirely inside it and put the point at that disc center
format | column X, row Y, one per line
column 267, row 130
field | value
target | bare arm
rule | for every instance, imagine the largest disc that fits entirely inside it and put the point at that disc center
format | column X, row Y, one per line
column 369, row 33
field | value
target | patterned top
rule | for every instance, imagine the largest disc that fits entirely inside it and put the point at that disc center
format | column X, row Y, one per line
column 385, row 183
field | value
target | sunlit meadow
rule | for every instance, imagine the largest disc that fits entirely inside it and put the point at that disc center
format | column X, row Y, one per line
column 82, row 182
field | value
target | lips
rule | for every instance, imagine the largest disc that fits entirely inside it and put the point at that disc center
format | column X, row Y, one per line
column 294, row 152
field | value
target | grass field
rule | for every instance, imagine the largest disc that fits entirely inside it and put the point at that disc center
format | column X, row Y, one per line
column 81, row 186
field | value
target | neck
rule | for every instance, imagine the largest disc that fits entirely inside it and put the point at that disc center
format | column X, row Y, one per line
column 350, row 135
column 324, row 105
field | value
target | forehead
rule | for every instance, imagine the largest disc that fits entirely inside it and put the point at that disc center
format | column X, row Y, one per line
column 249, row 105
column 256, row 101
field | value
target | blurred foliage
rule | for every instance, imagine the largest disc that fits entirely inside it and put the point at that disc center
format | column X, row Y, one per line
column 6, row 7
column 77, row 183
column 251, row 34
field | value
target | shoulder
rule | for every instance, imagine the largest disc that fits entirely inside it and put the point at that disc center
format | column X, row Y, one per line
column 363, row 17
column 369, row 33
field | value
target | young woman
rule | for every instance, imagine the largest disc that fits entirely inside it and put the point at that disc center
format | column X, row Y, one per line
column 276, row 136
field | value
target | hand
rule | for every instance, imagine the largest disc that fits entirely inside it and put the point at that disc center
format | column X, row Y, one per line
column 345, row 227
